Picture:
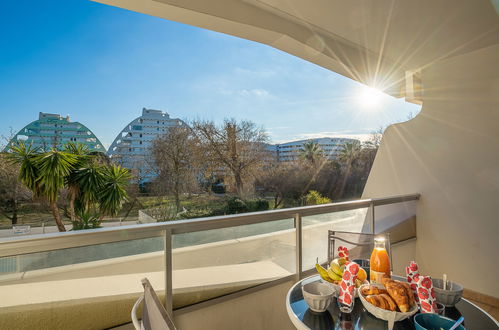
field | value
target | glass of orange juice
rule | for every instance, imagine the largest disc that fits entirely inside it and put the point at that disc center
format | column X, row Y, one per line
column 380, row 261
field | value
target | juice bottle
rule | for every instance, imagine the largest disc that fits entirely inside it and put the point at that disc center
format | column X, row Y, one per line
column 380, row 261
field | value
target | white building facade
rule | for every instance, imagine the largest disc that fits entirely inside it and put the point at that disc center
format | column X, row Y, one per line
column 132, row 147
column 54, row 131
column 290, row 151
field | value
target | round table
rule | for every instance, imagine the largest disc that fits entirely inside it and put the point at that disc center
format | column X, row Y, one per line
column 303, row 318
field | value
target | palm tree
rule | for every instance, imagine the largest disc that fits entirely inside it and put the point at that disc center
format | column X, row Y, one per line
column 112, row 193
column 53, row 168
column 88, row 180
column 74, row 178
column 348, row 153
column 24, row 155
column 311, row 151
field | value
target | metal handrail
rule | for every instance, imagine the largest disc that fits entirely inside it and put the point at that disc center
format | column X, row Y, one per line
column 54, row 241
column 14, row 246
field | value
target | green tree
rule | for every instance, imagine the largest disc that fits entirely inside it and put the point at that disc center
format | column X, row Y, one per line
column 311, row 152
column 52, row 168
column 92, row 184
column 73, row 180
column 348, row 153
column 24, row 155
column 315, row 198
column 112, row 193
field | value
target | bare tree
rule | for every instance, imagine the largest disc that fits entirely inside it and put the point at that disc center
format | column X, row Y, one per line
column 12, row 191
column 286, row 182
column 237, row 147
column 174, row 156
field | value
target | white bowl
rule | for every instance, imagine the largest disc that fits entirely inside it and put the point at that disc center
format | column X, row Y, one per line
column 451, row 295
column 317, row 295
column 384, row 314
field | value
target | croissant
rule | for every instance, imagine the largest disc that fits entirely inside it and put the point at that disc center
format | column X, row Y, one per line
column 399, row 295
column 391, row 304
column 409, row 292
column 378, row 301
column 372, row 290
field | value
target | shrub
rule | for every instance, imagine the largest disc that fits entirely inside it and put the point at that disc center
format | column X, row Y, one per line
column 258, row 204
column 86, row 220
column 197, row 213
column 314, row 198
column 235, row 205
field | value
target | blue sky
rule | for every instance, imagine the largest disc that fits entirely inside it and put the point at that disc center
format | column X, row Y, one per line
column 102, row 65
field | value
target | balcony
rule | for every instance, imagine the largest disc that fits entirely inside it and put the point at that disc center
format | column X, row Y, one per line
column 233, row 272
column 205, row 264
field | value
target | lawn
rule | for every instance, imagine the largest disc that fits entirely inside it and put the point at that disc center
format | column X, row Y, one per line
column 34, row 215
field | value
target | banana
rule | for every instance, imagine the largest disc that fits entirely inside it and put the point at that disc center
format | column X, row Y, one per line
column 337, row 267
column 323, row 272
column 333, row 275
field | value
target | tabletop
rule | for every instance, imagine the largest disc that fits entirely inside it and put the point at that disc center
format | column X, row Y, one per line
column 303, row 318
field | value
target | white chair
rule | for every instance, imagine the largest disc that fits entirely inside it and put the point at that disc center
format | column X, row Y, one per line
column 154, row 315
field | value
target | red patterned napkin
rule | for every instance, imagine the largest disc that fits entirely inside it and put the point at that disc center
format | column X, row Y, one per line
column 343, row 252
column 347, row 284
column 412, row 272
column 426, row 295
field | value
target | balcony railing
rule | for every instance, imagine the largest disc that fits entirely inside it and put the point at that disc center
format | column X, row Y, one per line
column 197, row 259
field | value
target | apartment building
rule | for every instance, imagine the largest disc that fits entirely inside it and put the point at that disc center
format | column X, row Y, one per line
column 132, row 146
column 54, row 131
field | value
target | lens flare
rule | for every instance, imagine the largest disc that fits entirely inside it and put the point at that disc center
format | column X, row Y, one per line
column 370, row 97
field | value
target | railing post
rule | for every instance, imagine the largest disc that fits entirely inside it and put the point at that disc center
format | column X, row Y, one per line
column 299, row 251
column 373, row 218
column 168, row 273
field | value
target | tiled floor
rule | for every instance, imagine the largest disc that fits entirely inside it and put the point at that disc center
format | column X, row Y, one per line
column 494, row 311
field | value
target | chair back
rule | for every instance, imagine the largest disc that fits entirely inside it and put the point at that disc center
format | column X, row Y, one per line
column 154, row 315
column 360, row 245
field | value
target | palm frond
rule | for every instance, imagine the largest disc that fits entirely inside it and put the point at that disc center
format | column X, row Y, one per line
column 53, row 166
column 113, row 193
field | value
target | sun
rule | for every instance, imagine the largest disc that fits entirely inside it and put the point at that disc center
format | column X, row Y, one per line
column 369, row 97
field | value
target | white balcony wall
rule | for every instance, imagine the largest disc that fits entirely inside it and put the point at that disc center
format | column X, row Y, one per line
column 449, row 154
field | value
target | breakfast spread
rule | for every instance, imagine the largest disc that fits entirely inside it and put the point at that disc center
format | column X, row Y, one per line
column 383, row 297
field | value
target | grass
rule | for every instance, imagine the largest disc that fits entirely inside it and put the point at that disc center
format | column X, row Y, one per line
column 34, row 215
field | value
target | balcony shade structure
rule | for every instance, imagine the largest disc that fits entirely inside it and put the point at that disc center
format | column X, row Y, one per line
column 441, row 54
column 54, row 131
column 132, row 147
